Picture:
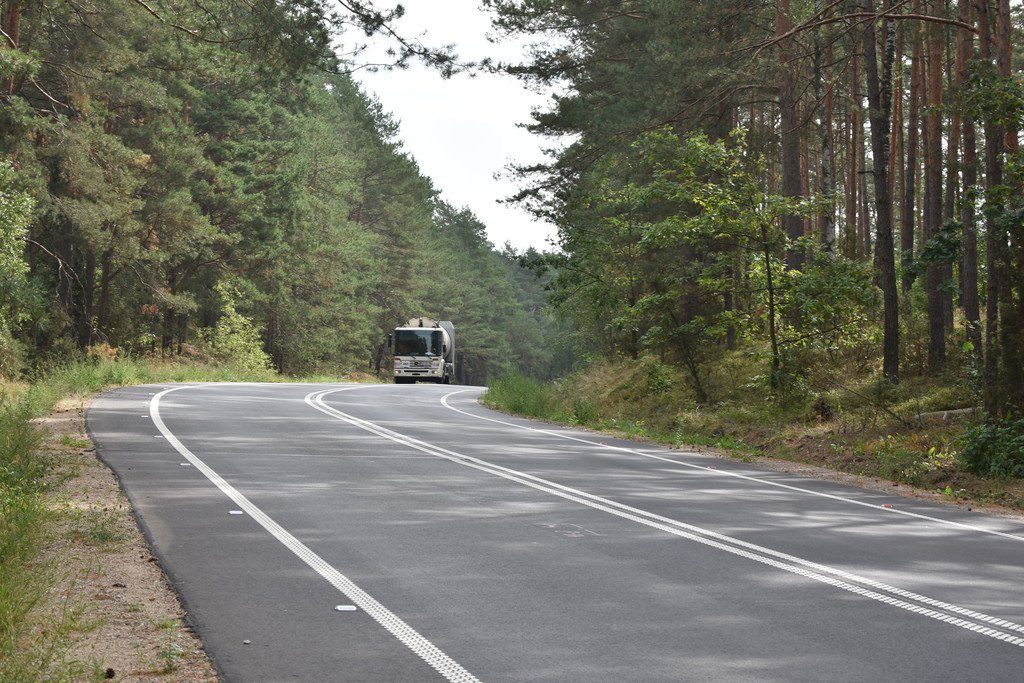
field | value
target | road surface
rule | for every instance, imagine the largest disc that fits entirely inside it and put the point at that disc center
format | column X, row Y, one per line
column 406, row 533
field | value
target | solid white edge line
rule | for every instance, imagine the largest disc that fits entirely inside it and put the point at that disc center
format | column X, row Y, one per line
column 709, row 470
column 407, row 635
column 791, row 563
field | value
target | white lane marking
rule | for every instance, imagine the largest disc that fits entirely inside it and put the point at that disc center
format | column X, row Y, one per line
column 429, row 652
column 747, row 477
column 812, row 570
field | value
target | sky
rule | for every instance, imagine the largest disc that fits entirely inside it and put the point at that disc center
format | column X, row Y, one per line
column 463, row 131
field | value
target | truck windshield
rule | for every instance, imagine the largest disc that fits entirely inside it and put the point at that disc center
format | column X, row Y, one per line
column 417, row 342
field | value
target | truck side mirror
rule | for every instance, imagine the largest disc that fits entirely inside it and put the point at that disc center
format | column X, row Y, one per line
column 389, row 342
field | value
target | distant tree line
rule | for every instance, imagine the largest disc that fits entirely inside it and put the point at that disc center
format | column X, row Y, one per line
column 832, row 180
column 183, row 175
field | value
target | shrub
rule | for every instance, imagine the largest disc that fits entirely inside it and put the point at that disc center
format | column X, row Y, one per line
column 994, row 449
column 584, row 411
column 520, row 395
column 658, row 376
column 235, row 339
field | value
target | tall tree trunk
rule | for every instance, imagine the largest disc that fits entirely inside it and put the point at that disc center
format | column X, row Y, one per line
column 107, row 276
column 949, row 196
column 66, row 277
column 85, row 323
column 933, row 192
column 826, row 182
column 1004, row 60
column 995, row 238
column 850, row 242
column 910, row 186
column 12, row 27
column 864, row 220
column 167, row 334
column 1011, row 251
column 789, row 121
column 182, row 332
column 772, row 332
column 879, row 105
column 969, row 263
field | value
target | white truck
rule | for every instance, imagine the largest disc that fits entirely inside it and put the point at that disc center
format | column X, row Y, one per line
column 424, row 351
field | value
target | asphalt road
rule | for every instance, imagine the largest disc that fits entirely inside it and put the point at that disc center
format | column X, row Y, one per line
column 405, row 533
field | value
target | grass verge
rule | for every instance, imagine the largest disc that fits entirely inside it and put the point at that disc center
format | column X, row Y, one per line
column 866, row 429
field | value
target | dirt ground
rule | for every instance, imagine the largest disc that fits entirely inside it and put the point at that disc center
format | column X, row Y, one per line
column 129, row 624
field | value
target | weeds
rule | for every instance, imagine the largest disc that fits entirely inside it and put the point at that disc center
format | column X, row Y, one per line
column 520, row 395
column 72, row 442
column 995, row 449
column 168, row 624
column 96, row 527
column 172, row 652
column 170, row 655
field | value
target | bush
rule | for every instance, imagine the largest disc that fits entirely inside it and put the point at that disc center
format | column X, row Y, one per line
column 235, row 339
column 994, row 449
column 584, row 411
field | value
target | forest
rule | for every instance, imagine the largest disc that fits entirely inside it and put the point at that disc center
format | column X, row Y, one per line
column 206, row 181
column 830, row 191
column 817, row 200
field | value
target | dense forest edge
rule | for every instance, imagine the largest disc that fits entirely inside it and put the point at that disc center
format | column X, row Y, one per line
column 787, row 228
column 792, row 229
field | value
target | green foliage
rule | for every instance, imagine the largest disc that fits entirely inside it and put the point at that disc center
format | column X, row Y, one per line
column 829, row 307
column 21, row 468
column 659, row 379
column 96, row 527
column 23, row 516
column 994, row 449
column 72, row 442
column 234, row 339
column 584, row 410
column 989, row 96
column 23, row 584
column 15, row 214
column 170, row 655
column 179, row 166
column 521, row 395
column 942, row 248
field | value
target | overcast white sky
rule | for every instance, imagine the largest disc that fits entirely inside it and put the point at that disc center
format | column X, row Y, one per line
column 462, row 131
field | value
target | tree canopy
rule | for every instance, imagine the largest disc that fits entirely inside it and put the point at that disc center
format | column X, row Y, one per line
column 187, row 177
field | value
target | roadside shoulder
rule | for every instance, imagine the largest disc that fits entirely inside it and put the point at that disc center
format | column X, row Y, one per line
column 130, row 623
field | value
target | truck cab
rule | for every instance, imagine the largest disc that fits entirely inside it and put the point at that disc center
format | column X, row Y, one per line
column 424, row 351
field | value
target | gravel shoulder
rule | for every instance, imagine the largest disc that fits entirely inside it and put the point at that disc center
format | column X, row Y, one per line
column 126, row 621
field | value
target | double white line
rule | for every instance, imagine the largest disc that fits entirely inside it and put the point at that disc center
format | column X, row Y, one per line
column 967, row 619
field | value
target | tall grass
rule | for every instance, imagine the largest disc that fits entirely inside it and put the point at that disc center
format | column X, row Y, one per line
column 521, row 395
column 23, row 516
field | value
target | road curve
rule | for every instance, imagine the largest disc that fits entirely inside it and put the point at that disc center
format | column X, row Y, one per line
column 406, row 533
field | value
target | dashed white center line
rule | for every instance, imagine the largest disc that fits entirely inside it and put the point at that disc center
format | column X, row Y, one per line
column 407, row 635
